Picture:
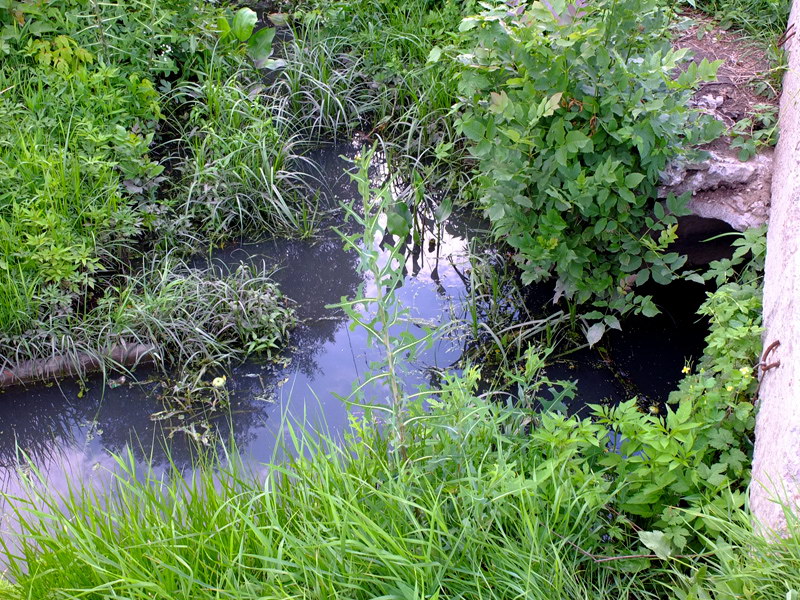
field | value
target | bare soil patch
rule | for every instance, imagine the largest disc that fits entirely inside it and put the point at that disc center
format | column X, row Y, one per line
column 744, row 64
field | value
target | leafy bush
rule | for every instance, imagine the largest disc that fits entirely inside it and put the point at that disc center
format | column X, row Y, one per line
column 571, row 120
column 487, row 499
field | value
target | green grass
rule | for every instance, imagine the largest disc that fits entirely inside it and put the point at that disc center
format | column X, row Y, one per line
column 194, row 319
column 128, row 128
column 480, row 509
column 242, row 170
column 462, row 518
column 364, row 66
column 763, row 19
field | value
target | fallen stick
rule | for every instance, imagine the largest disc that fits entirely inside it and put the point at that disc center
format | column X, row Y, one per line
column 30, row 371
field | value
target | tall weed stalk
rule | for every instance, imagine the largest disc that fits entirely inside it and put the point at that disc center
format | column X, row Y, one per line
column 376, row 308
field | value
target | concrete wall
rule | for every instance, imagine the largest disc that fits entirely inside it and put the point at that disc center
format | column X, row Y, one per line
column 776, row 464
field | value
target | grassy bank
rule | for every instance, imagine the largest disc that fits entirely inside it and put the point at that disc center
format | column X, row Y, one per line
column 484, row 500
column 131, row 131
column 553, row 123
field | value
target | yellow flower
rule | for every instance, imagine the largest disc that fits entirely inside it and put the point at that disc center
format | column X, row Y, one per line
column 746, row 371
column 686, row 370
column 219, row 382
column 729, row 388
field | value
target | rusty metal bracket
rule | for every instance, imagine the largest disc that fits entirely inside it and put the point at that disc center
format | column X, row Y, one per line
column 767, row 366
column 786, row 36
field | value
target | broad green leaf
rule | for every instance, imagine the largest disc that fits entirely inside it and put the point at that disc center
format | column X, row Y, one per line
column 260, row 46
column 444, row 210
column 473, row 129
column 552, row 104
column 244, row 21
column 512, row 134
column 223, row 26
column 398, row 224
column 435, row 54
column 657, row 542
column 468, row 24
column 496, row 211
column 576, row 141
column 632, row 180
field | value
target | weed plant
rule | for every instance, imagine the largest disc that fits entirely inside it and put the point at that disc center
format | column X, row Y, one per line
column 242, row 172
column 190, row 318
column 456, row 496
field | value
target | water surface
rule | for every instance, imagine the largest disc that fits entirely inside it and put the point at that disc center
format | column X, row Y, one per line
column 69, row 431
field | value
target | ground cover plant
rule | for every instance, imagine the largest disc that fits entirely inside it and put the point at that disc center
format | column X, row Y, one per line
column 129, row 128
column 455, row 496
column 566, row 117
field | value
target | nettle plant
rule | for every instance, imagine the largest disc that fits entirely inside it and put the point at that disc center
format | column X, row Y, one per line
column 571, row 120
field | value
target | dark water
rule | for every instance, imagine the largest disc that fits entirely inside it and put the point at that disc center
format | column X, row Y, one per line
column 71, row 433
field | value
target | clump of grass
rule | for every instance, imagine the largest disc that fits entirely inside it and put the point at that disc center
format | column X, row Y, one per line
column 323, row 92
column 459, row 519
column 190, row 317
column 242, row 170
column 365, row 65
column 764, row 19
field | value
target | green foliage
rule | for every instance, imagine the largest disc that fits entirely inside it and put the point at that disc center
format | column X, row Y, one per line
column 377, row 76
column 239, row 174
column 571, row 124
column 487, row 500
column 695, row 456
column 130, row 126
column 745, row 264
column 192, row 319
column 258, row 43
column 756, row 131
column 196, row 316
column 473, row 513
column 77, row 177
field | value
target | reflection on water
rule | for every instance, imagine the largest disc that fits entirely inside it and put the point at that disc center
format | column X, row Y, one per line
column 66, row 430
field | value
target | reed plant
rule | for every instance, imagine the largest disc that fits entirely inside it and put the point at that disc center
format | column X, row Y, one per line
column 187, row 318
column 453, row 496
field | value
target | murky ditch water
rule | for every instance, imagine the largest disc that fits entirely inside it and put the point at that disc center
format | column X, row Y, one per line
column 69, row 433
